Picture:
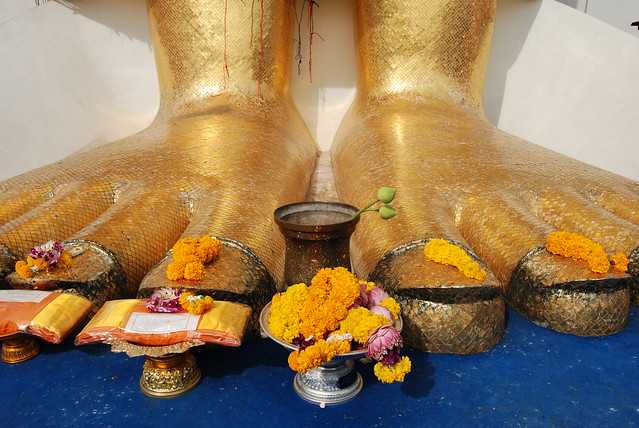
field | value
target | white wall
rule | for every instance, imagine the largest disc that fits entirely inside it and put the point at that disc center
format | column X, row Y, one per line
column 85, row 75
column 570, row 84
column 71, row 78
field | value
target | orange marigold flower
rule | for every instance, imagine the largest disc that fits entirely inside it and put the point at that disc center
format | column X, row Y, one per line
column 620, row 261
column 446, row 253
column 195, row 304
column 284, row 320
column 332, row 292
column 317, row 354
column 194, row 271
column 175, row 270
column 23, row 270
column 578, row 247
column 190, row 254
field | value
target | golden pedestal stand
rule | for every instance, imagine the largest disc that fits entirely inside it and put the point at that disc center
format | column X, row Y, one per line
column 168, row 371
column 19, row 348
column 169, row 375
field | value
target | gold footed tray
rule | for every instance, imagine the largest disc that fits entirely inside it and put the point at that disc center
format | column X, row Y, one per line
column 19, row 348
column 170, row 375
column 168, row 371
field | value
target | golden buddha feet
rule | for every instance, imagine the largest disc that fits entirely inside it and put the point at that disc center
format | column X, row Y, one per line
column 225, row 150
column 417, row 124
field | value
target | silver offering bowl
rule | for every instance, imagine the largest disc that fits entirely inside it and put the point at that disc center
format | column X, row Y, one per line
column 332, row 383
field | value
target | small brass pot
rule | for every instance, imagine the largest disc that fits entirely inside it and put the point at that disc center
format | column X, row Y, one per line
column 317, row 236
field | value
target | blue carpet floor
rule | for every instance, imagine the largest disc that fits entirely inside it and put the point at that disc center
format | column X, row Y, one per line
column 534, row 377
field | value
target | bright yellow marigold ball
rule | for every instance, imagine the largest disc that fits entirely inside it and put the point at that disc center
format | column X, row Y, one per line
column 392, row 305
column 443, row 252
column 578, row 247
column 361, row 323
column 395, row 373
column 317, row 354
column 284, row 321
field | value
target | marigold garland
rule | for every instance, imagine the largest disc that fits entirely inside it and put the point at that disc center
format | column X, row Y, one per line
column 315, row 355
column 286, row 308
column 332, row 292
column 189, row 257
column 195, row 304
column 394, row 373
column 443, row 252
column 578, row 247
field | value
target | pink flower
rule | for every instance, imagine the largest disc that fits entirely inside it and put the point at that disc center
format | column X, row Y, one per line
column 385, row 339
column 376, row 296
column 50, row 252
column 380, row 310
column 165, row 300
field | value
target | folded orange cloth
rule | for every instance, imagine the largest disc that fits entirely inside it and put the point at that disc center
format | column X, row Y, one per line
column 129, row 320
column 49, row 315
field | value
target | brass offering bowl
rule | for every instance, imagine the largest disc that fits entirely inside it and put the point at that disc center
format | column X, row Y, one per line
column 317, row 236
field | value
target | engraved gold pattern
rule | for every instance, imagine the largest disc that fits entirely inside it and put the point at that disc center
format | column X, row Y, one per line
column 170, row 375
column 19, row 348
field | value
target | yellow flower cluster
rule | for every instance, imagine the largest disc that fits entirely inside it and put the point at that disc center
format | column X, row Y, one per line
column 394, row 373
column 26, row 269
column 331, row 293
column 446, row 253
column 195, row 304
column 189, row 257
column 360, row 323
column 317, row 354
column 579, row 247
column 392, row 305
column 285, row 319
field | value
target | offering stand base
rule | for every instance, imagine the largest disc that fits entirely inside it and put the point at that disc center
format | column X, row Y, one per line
column 169, row 375
column 331, row 384
column 19, row 348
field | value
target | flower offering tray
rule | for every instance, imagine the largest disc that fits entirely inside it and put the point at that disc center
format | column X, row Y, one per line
column 334, row 382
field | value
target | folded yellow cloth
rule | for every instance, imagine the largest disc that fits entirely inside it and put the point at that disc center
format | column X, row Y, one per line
column 129, row 320
column 49, row 315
